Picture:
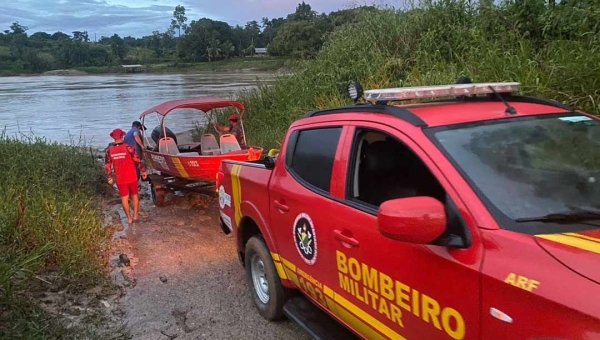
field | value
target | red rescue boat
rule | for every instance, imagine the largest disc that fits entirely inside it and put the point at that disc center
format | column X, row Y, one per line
column 195, row 164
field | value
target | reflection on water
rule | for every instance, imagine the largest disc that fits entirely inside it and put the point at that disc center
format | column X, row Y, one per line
column 63, row 108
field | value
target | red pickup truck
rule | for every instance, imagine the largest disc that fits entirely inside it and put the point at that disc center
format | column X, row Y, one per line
column 471, row 217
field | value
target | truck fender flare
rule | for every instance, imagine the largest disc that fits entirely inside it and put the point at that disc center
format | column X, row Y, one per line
column 251, row 211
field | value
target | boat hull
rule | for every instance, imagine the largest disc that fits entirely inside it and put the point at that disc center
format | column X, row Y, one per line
column 195, row 167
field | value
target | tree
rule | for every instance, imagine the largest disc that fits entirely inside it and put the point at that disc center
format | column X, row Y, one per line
column 99, row 54
column 167, row 40
column 303, row 13
column 179, row 19
column 227, row 49
column 81, row 36
column 213, row 50
column 239, row 39
column 40, row 40
column 298, row 38
column 17, row 28
column 252, row 31
column 117, row 45
column 141, row 55
column 270, row 29
column 59, row 36
column 41, row 36
column 199, row 39
column 155, row 43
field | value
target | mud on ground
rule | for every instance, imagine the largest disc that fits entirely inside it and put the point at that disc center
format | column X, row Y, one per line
column 183, row 279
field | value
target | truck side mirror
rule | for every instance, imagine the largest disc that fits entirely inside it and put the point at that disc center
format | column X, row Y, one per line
column 417, row 220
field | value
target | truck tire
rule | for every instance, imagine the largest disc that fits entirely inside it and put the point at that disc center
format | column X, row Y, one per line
column 268, row 294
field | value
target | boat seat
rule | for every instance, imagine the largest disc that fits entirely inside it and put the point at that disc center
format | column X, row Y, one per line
column 168, row 146
column 229, row 143
column 209, row 145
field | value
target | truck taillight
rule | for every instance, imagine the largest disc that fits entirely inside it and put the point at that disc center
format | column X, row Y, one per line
column 218, row 179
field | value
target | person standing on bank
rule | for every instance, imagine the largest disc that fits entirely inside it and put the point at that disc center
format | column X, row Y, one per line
column 134, row 139
column 124, row 161
column 234, row 129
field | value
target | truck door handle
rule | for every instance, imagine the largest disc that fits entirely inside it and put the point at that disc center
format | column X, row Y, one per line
column 281, row 206
column 349, row 240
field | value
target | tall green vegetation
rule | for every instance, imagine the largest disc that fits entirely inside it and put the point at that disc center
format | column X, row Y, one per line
column 552, row 49
column 300, row 34
column 49, row 220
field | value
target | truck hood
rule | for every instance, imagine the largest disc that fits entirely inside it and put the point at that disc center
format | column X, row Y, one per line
column 579, row 251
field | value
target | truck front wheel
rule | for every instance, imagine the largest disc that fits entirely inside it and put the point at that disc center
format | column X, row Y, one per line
column 268, row 293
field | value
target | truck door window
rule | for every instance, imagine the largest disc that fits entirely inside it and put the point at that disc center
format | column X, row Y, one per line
column 384, row 169
column 313, row 155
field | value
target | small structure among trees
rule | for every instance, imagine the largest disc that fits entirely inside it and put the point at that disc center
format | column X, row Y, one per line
column 133, row 68
column 260, row 51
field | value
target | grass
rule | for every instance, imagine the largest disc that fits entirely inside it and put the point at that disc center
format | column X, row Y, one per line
column 49, row 220
column 551, row 51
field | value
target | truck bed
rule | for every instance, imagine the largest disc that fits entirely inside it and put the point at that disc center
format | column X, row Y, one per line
column 265, row 163
column 243, row 181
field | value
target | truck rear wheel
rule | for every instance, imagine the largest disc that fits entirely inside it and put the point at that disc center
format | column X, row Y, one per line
column 268, row 294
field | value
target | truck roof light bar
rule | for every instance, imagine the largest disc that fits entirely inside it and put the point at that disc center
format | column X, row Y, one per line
column 452, row 90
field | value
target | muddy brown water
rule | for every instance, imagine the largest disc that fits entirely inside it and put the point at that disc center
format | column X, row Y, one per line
column 71, row 109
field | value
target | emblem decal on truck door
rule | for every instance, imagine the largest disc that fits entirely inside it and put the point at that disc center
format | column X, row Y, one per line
column 305, row 238
column 224, row 198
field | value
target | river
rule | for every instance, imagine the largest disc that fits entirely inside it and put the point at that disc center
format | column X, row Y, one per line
column 76, row 109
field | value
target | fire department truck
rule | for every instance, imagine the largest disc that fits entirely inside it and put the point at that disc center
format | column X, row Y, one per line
column 460, row 211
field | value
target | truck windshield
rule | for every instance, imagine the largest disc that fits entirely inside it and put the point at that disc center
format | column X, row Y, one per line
column 531, row 167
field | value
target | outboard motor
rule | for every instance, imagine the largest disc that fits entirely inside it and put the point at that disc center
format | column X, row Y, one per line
column 157, row 133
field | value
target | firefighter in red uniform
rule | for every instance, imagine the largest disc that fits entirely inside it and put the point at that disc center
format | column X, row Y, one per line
column 124, row 160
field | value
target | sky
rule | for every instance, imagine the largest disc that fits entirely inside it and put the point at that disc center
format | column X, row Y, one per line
column 140, row 17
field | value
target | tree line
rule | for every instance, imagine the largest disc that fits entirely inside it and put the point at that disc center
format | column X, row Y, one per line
column 300, row 34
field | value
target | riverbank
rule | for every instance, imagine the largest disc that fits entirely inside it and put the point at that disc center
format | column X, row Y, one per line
column 261, row 64
column 55, row 244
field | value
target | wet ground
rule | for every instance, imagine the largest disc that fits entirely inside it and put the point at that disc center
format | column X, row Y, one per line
column 185, row 278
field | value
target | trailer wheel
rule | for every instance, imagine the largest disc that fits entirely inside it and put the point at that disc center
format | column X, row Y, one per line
column 268, row 294
column 158, row 195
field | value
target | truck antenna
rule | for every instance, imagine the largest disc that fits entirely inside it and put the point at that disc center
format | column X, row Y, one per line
column 509, row 109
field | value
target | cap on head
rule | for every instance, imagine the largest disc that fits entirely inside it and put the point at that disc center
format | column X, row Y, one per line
column 138, row 124
column 233, row 117
column 117, row 133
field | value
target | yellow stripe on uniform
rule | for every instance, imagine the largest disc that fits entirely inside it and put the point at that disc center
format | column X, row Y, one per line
column 180, row 167
column 573, row 241
column 236, row 192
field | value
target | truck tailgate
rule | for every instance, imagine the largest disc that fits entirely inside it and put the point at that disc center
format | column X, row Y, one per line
column 242, row 182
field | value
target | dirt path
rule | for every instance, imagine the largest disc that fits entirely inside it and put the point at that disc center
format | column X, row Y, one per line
column 187, row 282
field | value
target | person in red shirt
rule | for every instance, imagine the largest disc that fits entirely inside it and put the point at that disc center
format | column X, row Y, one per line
column 233, row 129
column 123, row 160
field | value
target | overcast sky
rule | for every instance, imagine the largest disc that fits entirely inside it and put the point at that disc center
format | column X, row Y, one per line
column 140, row 17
